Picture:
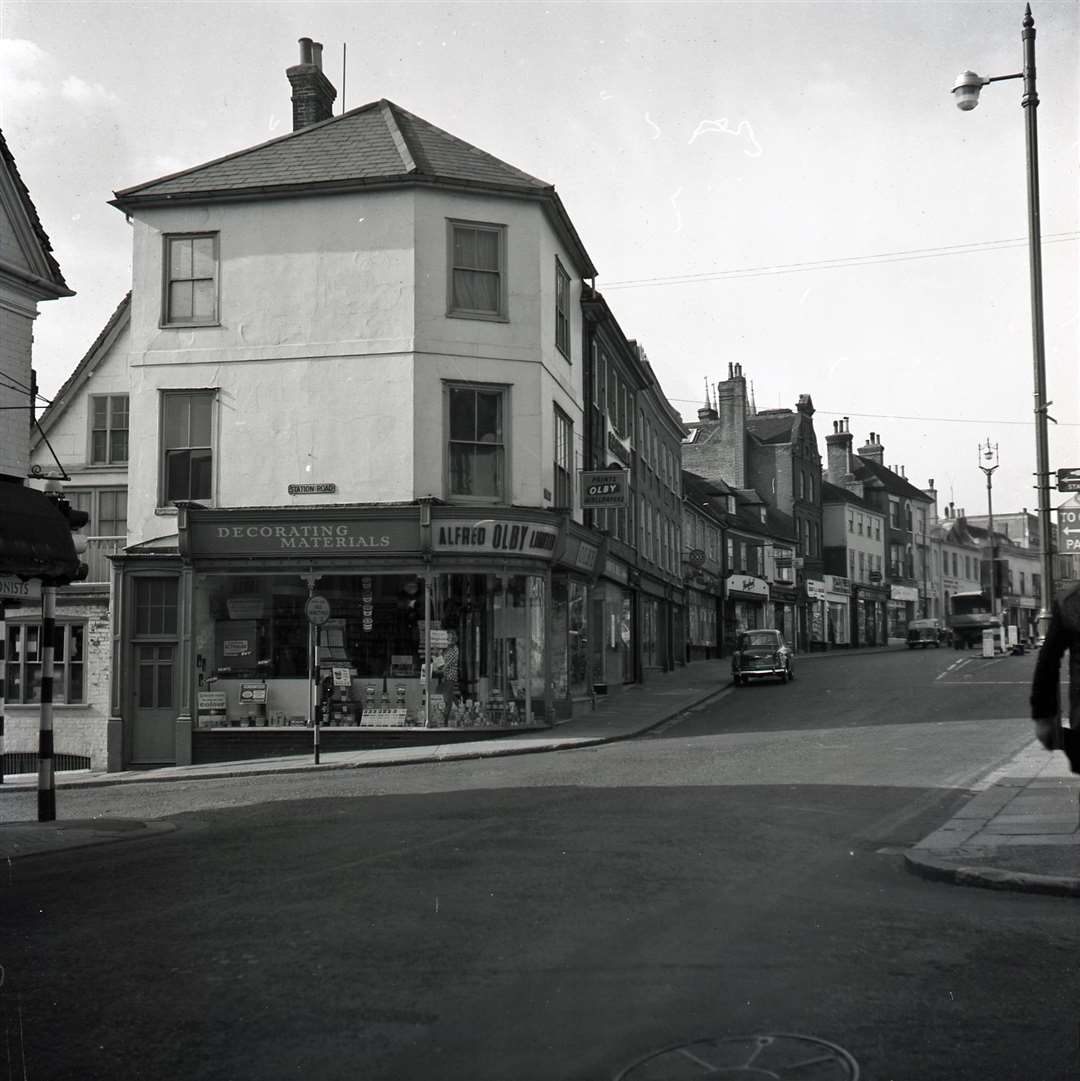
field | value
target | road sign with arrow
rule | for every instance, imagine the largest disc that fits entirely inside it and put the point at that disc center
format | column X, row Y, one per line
column 1069, row 479
column 1068, row 531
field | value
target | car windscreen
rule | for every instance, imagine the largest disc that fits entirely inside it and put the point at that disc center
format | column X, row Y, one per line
column 759, row 641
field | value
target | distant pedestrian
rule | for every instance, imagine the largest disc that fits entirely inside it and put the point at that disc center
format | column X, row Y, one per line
column 450, row 672
column 1063, row 634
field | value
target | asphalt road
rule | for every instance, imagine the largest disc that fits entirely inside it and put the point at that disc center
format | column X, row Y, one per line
column 560, row 916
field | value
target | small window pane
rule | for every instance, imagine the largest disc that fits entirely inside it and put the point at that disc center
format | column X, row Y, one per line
column 487, row 250
column 464, row 247
column 75, row 633
column 100, row 414
column 98, row 446
column 118, row 446
column 164, row 673
column 58, row 644
column 488, row 427
column 181, row 301
column 176, row 421
column 202, row 304
column 119, row 408
column 176, row 475
column 32, row 635
column 463, row 414
column 179, row 258
column 203, row 257
column 75, row 683
column 200, row 420
column 200, row 474
column 146, row 686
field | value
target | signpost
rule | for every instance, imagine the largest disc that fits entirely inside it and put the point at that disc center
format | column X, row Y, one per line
column 1068, row 531
column 317, row 610
column 1069, row 479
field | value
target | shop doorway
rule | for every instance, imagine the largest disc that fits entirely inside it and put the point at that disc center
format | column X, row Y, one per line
column 153, row 733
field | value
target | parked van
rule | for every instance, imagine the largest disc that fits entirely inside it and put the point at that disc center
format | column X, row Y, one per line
column 926, row 632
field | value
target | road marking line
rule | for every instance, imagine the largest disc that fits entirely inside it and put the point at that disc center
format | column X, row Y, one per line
column 954, row 666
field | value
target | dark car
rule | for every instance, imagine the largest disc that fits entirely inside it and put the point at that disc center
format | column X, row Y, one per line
column 926, row 632
column 758, row 654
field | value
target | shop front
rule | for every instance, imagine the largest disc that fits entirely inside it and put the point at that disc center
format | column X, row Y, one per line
column 816, row 618
column 378, row 623
column 703, row 604
column 837, row 611
column 573, row 580
column 868, row 616
column 746, row 600
column 783, row 597
column 612, row 628
column 901, row 609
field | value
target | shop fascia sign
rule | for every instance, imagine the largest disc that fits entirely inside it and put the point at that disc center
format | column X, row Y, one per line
column 815, row 589
column 835, row 583
column 468, row 536
column 747, row 583
column 13, row 588
column 604, row 488
column 904, row 593
column 286, row 534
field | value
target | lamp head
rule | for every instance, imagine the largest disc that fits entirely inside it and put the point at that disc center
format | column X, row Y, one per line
column 967, row 88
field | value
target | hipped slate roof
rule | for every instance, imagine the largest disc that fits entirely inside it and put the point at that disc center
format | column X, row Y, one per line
column 375, row 145
column 865, row 469
column 772, row 427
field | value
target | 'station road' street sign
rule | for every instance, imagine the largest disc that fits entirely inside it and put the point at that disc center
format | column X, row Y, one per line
column 1068, row 531
column 1069, row 479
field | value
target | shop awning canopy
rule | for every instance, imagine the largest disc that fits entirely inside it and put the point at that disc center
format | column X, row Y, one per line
column 35, row 538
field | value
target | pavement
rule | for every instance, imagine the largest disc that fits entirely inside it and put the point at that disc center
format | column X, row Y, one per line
column 1020, row 831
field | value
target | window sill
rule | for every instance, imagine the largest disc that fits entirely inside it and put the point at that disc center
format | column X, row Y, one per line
column 103, row 467
column 483, row 317
column 36, row 706
column 188, row 326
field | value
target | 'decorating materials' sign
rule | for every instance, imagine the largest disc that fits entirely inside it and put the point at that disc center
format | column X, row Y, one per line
column 285, row 534
column 1068, row 531
column 604, row 488
column 468, row 536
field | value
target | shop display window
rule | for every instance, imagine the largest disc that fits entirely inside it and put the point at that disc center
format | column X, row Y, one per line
column 485, row 634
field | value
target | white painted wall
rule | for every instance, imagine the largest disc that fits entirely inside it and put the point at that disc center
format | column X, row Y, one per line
column 16, row 338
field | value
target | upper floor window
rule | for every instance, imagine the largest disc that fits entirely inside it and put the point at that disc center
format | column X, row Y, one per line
column 187, row 454
column 191, row 279
column 109, row 429
column 477, row 277
column 562, row 310
column 851, row 521
column 476, row 450
column 564, row 457
column 107, row 508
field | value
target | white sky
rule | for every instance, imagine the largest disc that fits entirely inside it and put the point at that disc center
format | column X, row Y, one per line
column 684, row 139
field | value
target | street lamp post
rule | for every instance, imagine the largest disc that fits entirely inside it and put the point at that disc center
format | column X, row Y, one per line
column 990, row 454
column 967, row 88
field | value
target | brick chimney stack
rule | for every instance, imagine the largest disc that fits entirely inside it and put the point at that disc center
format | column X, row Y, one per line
column 839, row 452
column 873, row 451
column 312, row 92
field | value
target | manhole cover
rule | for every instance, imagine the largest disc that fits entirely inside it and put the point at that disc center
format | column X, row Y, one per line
column 776, row 1055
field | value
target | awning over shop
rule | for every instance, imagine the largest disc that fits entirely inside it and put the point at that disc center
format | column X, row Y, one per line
column 35, row 538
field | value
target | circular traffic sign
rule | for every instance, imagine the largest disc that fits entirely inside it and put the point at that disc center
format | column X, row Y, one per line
column 317, row 609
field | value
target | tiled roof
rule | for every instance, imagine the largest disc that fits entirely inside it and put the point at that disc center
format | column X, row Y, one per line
column 31, row 212
column 772, row 427
column 864, row 468
column 833, row 493
column 377, row 142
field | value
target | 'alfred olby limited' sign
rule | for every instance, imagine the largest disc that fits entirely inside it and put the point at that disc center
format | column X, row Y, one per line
column 495, row 538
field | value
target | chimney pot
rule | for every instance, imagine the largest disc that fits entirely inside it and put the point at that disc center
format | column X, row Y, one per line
column 312, row 93
column 316, row 54
column 730, row 370
column 305, row 51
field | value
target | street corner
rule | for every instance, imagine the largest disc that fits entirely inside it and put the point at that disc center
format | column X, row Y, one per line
column 1052, row 870
column 19, row 840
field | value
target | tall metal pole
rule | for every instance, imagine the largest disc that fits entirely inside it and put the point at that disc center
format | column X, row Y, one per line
column 46, row 780
column 990, row 452
column 1030, row 102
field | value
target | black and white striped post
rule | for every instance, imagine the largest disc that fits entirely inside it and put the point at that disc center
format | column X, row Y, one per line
column 46, row 777
column 3, row 671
